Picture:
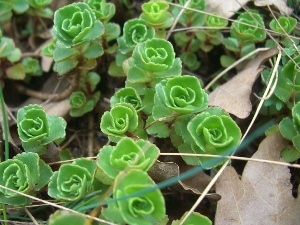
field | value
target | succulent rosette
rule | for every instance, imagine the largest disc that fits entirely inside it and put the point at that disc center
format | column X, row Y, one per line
column 36, row 129
column 296, row 116
column 156, row 14
column 80, row 104
column 25, row 173
column 211, row 132
column 284, row 24
column 104, row 11
column 134, row 31
column 75, row 24
column 154, row 58
column 147, row 208
column 179, row 95
column 245, row 33
column 72, row 181
column 127, row 95
column 120, row 120
column 127, row 154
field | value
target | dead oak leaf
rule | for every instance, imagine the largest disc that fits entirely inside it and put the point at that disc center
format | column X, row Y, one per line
column 263, row 196
column 229, row 7
column 234, row 95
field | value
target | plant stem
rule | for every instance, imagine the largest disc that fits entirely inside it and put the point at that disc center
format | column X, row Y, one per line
column 6, row 147
column 49, row 96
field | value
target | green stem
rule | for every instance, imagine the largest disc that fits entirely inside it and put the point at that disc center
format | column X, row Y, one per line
column 5, row 125
column 6, row 147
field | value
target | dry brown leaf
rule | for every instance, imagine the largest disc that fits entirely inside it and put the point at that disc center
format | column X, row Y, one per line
column 263, row 196
column 280, row 4
column 229, row 7
column 162, row 171
column 234, row 95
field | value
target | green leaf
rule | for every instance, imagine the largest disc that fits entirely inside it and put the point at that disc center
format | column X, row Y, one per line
column 112, row 31
column 115, row 71
column 125, row 155
column 16, row 72
column 72, row 181
column 190, row 60
column 290, row 154
column 134, row 31
column 36, row 129
column 104, row 11
column 121, row 119
column 213, row 132
column 127, row 95
column 296, row 116
column 284, row 24
column 287, row 128
column 181, row 95
column 245, row 33
column 95, row 50
column 157, row 128
column 62, row 217
column 79, row 104
column 69, row 32
column 32, row 66
column 148, row 208
column 25, row 173
column 156, row 14
column 193, row 219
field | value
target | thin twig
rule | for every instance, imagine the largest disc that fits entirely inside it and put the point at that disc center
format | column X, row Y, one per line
column 49, row 96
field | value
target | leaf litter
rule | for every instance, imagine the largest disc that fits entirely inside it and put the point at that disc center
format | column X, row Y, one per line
column 263, row 194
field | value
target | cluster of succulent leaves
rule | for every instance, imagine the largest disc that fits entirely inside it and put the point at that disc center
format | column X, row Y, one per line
column 158, row 100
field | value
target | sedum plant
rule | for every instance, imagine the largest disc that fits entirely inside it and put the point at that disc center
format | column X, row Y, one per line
column 120, row 121
column 79, row 104
column 127, row 95
column 134, row 31
column 36, row 129
column 27, row 174
column 284, row 24
column 72, row 181
column 179, row 95
column 104, row 11
column 156, row 14
column 212, row 131
column 152, row 61
column 75, row 24
column 127, row 154
column 143, row 207
column 247, row 30
column 40, row 8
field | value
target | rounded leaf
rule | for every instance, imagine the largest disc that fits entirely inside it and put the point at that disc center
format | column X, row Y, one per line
column 125, row 155
column 147, row 208
column 253, row 33
column 120, row 119
column 213, row 132
column 72, row 181
column 75, row 24
column 284, row 24
column 182, row 95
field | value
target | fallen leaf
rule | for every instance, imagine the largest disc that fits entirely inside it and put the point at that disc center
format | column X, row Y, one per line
column 162, row 171
column 280, row 4
column 234, row 95
column 263, row 196
column 229, row 7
